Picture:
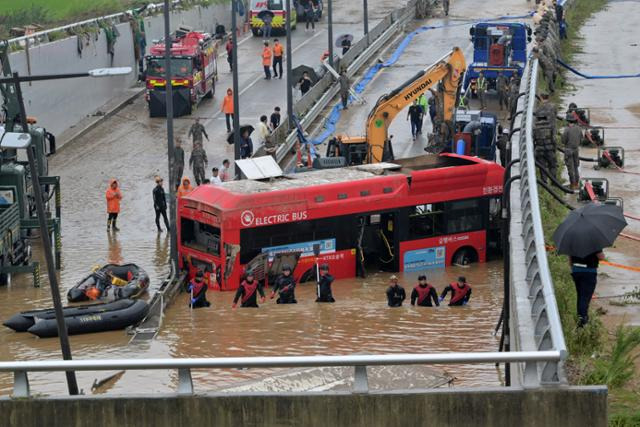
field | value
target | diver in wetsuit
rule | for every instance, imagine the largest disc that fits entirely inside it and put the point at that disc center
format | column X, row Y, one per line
column 198, row 289
column 460, row 292
column 424, row 293
column 395, row 293
column 324, row 285
column 285, row 286
column 248, row 291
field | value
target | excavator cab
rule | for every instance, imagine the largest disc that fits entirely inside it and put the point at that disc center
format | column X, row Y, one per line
column 355, row 149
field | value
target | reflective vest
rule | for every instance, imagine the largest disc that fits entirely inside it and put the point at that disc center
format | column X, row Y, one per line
column 458, row 293
column 423, row 293
column 277, row 49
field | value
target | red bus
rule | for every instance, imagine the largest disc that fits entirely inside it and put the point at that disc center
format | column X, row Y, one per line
column 412, row 215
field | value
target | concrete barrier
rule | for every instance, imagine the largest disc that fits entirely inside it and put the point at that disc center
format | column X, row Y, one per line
column 567, row 407
column 61, row 104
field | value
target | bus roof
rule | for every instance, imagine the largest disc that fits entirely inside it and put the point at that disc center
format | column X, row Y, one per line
column 399, row 177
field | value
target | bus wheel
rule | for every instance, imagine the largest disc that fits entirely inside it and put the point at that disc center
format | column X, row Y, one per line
column 465, row 256
column 209, row 94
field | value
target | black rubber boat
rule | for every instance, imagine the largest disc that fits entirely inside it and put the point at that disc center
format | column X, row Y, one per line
column 81, row 320
column 111, row 283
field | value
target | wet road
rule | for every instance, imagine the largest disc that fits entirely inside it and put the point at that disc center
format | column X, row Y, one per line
column 130, row 146
column 614, row 105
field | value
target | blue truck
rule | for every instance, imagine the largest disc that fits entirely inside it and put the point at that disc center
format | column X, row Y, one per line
column 497, row 47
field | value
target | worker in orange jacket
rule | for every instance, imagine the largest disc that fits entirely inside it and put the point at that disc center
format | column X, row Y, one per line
column 185, row 188
column 266, row 60
column 113, row 196
column 227, row 108
column 278, row 51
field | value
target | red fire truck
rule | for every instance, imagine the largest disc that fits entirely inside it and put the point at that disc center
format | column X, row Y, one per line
column 194, row 71
column 413, row 215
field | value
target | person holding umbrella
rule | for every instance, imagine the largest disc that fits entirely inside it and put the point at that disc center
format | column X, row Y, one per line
column 582, row 236
column 344, row 41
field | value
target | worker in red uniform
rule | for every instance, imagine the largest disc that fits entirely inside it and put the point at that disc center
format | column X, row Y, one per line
column 113, row 196
column 424, row 293
column 248, row 291
column 460, row 292
column 267, row 54
column 198, row 291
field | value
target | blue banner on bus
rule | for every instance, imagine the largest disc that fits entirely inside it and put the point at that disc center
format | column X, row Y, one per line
column 327, row 246
column 421, row 259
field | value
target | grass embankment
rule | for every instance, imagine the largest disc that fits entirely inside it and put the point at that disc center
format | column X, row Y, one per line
column 52, row 13
column 597, row 355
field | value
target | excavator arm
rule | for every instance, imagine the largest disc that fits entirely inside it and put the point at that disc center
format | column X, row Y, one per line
column 448, row 70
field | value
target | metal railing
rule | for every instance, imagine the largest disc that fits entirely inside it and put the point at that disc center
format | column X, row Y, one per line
column 360, row 363
column 532, row 292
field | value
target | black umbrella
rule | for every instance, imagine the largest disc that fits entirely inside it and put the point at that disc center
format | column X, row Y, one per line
column 243, row 128
column 344, row 38
column 589, row 229
column 266, row 15
column 296, row 74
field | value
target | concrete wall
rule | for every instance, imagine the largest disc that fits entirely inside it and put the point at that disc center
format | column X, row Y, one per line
column 60, row 104
column 566, row 407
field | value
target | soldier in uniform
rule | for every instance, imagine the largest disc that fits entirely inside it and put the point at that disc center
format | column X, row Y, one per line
column 198, row 161
column 544, row 135
column 548, row 69
column 502, row 86
column 196, row 131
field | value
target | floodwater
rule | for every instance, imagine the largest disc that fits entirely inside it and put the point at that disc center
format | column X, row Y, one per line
column 130, row 146
column 613, row 104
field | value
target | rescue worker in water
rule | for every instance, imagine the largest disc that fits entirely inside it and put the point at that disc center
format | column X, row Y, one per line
column 460, row 292
column 424, row 293
column 198, row 290
column 324, row 285
column 248, row 291
column 285, row 286
column 395, row 293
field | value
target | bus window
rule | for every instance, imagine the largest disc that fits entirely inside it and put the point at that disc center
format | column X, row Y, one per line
column 464, row 215
column 426, row 221
column 201, row 237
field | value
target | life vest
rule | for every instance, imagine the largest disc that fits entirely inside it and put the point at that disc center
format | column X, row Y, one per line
column 458, row 293
column 423, row 293
column 249, row 290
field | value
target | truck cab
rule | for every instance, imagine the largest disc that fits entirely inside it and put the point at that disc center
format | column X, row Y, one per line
column 482, row 143
column 498, row 47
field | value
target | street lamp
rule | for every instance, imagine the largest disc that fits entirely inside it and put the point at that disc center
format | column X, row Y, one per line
column 22, row 141
column 289, row 67
column 236, row 95
column 330, row 32
column 170, row 145
column 365, row 8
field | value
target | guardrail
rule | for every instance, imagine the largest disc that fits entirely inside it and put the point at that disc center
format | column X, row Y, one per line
column 184, row 366
column 535, row 310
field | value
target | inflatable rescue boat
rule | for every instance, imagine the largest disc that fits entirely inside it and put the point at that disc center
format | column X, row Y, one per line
column 111, row 283
column 81, row 319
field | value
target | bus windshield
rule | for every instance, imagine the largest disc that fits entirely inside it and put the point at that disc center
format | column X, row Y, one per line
column 201, row 237
column 182, row 67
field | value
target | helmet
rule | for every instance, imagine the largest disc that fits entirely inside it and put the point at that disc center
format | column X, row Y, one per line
column 422, row 277
column 324, row 267
column 286, row 267
column 248, row 273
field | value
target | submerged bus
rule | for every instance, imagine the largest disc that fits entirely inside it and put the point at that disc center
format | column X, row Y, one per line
column 410, row 215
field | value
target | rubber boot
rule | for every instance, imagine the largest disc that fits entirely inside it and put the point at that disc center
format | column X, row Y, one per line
column 108, row 224
column 115, row 228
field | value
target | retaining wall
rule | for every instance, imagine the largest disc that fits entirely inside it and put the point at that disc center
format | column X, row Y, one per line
column 60, row 104
column 566, row 407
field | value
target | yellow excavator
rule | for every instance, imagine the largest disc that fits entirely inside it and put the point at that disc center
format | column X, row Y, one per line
column 376, row 147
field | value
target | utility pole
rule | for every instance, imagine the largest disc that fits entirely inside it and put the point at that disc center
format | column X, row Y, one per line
column 72, row 383
column 236, row 95
column 365, row 8
column 330, row 19
column 170, row 146
column 289, row 67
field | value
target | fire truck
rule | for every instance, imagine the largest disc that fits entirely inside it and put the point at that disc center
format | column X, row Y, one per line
column 194, row 71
